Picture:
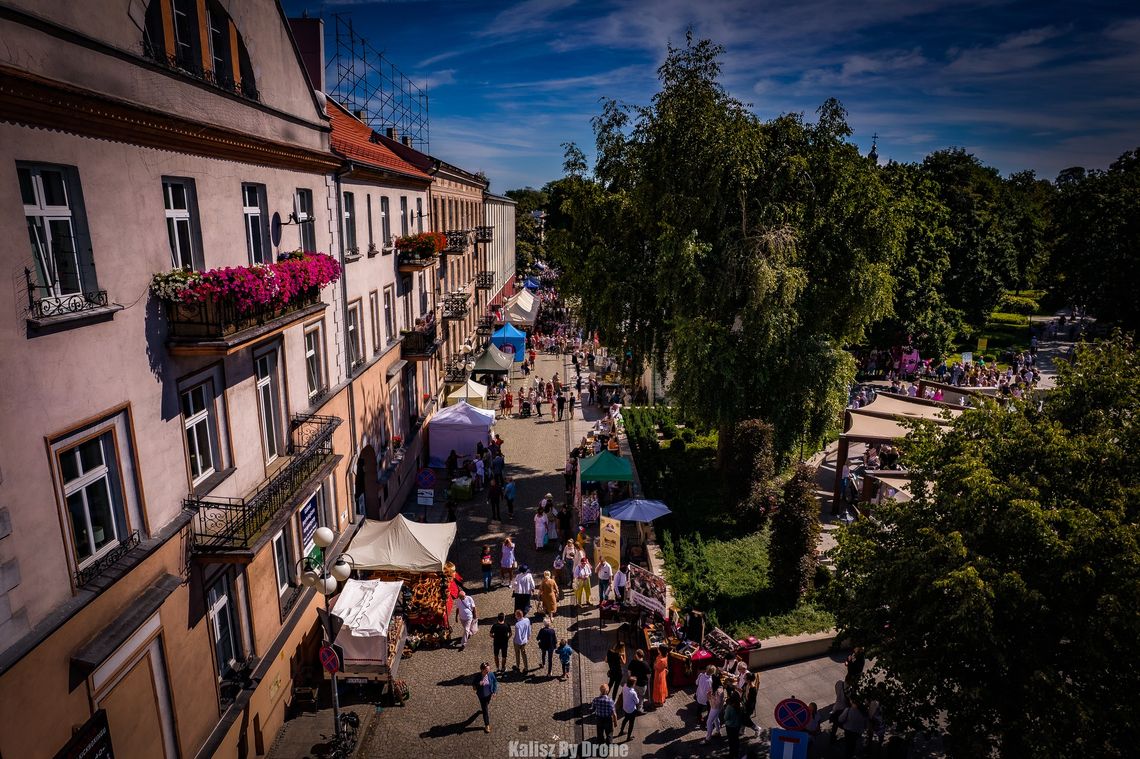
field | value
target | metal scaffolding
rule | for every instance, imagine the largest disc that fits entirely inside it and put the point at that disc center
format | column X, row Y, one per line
column 369, row 85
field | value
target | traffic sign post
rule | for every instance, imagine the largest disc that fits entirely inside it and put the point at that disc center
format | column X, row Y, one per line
column 792, row 714
column 425, row 496
column 329, row 660
column 789, row 744
column 425, row 478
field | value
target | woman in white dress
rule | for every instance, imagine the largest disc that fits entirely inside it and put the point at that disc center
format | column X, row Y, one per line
column 539, row 529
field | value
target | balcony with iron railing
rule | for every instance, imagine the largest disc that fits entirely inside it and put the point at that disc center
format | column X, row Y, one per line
column 485, row 325
column 457, row 241
column 421, row 342
column 411, row 261
column 484, row 234
column 190, row 65
column 229, row 526
column 220, row 326
column 485, row 280
column 456, row 305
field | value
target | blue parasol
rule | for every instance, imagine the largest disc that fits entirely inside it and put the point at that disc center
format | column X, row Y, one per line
column 638, row 510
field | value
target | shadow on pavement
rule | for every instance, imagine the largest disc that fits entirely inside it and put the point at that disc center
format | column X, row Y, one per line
column 455, row 728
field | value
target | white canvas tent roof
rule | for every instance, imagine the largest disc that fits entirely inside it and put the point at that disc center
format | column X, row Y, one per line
column 868, row 427
column 897, row 405
column 402, row 545
column 366, row 606
column 460, row 428
column 897, row 480
column 463, row 415
column 472, row 392
column 523, row 309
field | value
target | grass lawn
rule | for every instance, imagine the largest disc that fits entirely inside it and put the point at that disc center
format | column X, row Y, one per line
column 713, row 561
column 1002, row 334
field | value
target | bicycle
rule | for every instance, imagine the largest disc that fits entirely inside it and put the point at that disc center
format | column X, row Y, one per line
column 343, row 745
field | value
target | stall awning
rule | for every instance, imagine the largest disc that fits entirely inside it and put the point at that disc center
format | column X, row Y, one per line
column 605, row 467
column 871, row 428
column 899, row 481
column 493, row 361
column 472, row 392
column 886, row 404
column 402, row 545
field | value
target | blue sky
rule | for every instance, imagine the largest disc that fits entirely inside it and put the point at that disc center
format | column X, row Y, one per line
column 1038, row 85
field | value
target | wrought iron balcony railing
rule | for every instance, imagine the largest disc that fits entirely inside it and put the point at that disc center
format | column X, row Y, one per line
column 420, row 342
column 485, row 280
column 455, row 306
column 485, row 326
column 234, row 524
column 456, row 241
column 409, row 261
column 220, row 319
column 484, row 234
column 455, row 371
column 191, row 66
column 72, row 303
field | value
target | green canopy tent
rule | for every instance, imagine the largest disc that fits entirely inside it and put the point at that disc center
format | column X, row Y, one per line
column 605, row 467
column 493, row 361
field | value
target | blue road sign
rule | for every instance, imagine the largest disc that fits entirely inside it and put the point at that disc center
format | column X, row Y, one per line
column 425, row 478
column 792, row 714
column 789, row 744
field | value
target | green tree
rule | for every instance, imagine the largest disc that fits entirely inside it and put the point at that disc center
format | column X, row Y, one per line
column 1097, row 224
column 529, row 244
column 742, row 254
column 1031, row 202
column 795, row 533
column 1002, row 600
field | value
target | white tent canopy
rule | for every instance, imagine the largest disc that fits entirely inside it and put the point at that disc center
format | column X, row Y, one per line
column 472, row 392
column 888, row 405
column 459, row 428
column 366, row 606
column 402, row 545
column 522, row 310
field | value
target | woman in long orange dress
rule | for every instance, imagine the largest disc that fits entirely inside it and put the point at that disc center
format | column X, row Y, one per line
column 660, row 672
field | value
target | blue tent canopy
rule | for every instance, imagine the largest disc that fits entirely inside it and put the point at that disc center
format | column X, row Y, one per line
column 510, row 341
column 531, row 283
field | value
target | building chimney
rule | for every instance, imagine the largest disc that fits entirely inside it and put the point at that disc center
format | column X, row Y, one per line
column 359, row 114
column 392, row 133
column 309, row 34
column 407, row 140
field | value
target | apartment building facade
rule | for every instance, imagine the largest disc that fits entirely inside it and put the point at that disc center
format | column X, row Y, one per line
column 498, row 257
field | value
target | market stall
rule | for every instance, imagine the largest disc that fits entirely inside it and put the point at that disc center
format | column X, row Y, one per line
column 510, row 340
column 493, row 361
column 470, row 392
column 458, row 428
column 522, row 309
column 416, row 554
column 372, row 638
column 602, row 468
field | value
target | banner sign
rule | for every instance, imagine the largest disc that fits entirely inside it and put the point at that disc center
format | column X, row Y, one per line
column 92, row 741
column 309, row 525
column 646, row 589
column 609, row 547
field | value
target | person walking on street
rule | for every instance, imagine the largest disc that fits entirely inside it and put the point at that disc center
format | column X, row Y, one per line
column 630, row 706
column 466, row 616
column 486, row 686
column 487, row 564
column 605, row 713
column 855, row 663
column 548, row 593
column 716, row 709
column 521, row 639
column 498, row 464
column 522, row 587
column 621, row 582
column 605, row 574
column 509, row 495
column 615, row 664
column 507, row 561
column 500, row 634
column 561, row 405
column 751, row 691
column 732, row 723
column 564, row 654
column 582, row 585
column 569, row 563
column 573, row 401
column 639, row 669
column 494, row 495
column 704, row 690
column 547, row 642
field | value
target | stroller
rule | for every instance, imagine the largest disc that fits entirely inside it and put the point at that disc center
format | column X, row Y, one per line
column 524, row 410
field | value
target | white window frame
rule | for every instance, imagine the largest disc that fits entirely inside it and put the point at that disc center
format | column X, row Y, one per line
column 368, row 213
column 354, row 336
column 193, row 423
column 389, row 313
column 223, row 605
column 422, row 282
column 268, row 385
column 374, row 310
column 404, row 226
column 80, row 485
column 419, row 214
column 221, row 64
column 283, row 561
column 303, row 210
column 385, row 221
column 185, row 218
column 256, row 220
column 350, row 223
column 314, row 340
column 42, row 217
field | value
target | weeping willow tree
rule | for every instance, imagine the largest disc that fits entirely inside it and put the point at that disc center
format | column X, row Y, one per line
column 740, row 254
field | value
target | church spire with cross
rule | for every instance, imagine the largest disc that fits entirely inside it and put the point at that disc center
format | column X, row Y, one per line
column 874, row 152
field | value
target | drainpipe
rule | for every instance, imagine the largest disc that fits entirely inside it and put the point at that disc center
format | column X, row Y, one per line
column 346, row 169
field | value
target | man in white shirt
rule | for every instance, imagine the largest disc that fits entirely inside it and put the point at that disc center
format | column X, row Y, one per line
column 521, row 638
column 465, row 615
column 605, row 574
column 704, row 688
column 621, row 581
column 523, row 587
column 479, row 472
column 630, row 702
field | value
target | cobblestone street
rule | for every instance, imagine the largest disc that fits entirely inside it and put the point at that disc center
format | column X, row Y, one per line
column 442, row 717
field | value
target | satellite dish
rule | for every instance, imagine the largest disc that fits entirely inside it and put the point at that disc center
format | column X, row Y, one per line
column 275, row 230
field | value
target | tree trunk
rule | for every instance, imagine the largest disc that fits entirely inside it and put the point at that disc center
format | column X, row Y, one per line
column 723, row 441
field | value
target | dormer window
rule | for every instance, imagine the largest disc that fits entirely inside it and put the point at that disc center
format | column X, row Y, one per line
column 209, row 49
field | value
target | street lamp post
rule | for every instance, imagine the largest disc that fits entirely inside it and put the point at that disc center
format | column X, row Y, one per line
column 325, row 576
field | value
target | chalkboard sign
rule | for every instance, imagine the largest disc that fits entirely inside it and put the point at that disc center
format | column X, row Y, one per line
column 92, row 741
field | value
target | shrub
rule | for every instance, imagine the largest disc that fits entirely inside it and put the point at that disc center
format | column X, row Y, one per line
column 1013, row 320
column 688, row 435
column 1018, row 304
column 677, row 445
column 795, row 532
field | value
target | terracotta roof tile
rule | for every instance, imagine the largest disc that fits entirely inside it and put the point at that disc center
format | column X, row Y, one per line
column 354, row 140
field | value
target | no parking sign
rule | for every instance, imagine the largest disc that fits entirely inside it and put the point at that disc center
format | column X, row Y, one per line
column 792, row 714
